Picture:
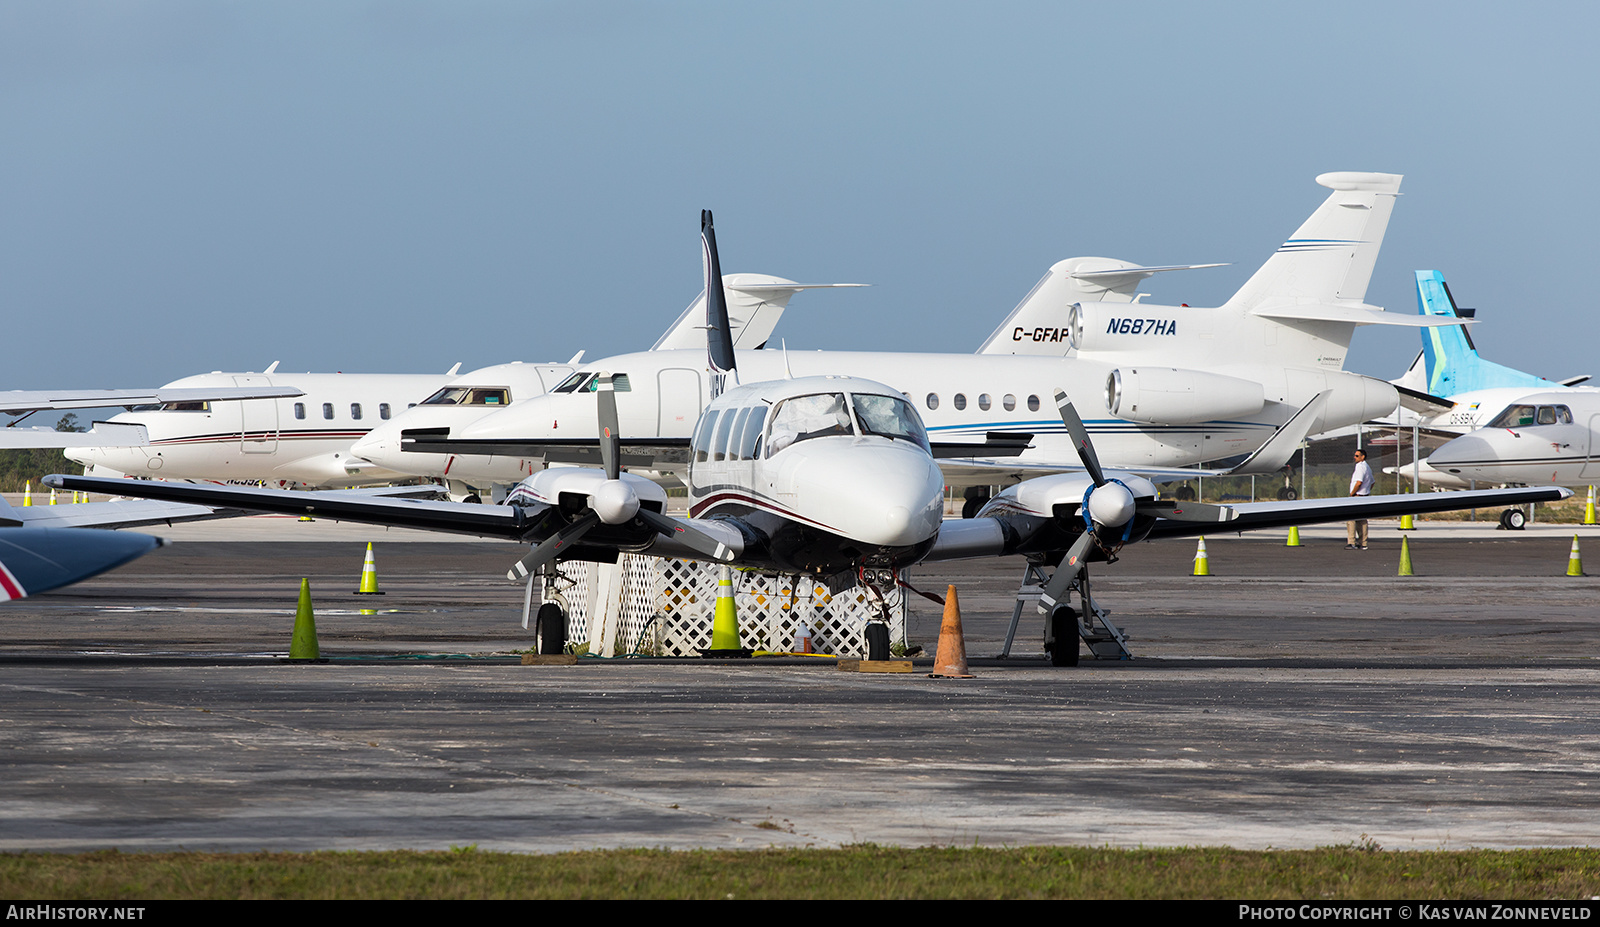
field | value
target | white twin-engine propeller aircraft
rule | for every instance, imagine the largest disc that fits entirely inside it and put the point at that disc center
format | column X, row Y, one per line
column 830, row 476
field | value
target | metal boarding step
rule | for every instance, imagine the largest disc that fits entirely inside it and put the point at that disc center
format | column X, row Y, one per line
column 1105, row 640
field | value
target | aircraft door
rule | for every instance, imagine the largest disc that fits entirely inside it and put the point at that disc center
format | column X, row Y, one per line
column 679, row 392
column 258, row 420
column 1591, row 466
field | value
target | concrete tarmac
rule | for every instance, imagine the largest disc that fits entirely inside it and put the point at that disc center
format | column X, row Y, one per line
column 1298, row 697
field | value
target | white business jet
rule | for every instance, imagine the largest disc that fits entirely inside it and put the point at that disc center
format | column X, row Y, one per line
column 1181, row 386
column 198, row 429
column 826, row 475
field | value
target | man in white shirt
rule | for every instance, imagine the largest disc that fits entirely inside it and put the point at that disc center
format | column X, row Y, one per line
column 1360, row 485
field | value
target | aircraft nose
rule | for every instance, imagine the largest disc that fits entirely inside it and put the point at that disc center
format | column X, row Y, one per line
column 1465, row 450
column 888, row 496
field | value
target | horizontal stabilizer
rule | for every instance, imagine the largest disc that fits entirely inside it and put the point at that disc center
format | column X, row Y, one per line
column 1425, row 403
column 16, row 401
column 1370, row 315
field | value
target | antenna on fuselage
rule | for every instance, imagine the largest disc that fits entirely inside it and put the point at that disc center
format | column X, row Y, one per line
column 719, row 334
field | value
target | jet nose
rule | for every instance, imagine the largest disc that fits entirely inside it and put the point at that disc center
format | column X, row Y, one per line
column 1466, row 450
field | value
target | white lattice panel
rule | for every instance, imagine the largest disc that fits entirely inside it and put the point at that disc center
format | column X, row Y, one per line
column 667, row 606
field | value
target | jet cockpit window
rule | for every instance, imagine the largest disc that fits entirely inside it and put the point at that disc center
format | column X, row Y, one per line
column 804, row 417
column 891, row 417
column 571, row 383
column 1520, row 416
column 619, row 382
column 449, row 396
column 470, row 396
column 186, row 407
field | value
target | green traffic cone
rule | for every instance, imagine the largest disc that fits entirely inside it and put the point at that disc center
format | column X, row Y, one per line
column 1405, row 557
column 303, row 645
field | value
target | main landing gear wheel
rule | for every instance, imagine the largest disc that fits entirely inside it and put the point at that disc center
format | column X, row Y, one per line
column 1185, row 493
column 1513, row 519
column 1063, row 640
column 1288, row 493
column 975, row 502
column 550, row 629
column 877, row 640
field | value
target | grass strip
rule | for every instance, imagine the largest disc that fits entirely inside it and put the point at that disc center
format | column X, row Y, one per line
column 856, row 872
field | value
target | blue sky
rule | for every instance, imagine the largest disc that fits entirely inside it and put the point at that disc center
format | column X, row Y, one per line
column 398, row 186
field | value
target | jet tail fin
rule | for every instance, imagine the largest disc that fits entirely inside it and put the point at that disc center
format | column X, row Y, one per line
column 1331, row 256
column 1450, row 359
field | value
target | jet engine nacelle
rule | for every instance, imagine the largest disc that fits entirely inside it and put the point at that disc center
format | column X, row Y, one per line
column 1173, row 396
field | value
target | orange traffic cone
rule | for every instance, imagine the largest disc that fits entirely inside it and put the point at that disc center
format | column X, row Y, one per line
column 951, row 660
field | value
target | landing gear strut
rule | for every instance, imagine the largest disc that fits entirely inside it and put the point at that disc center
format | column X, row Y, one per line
column 1066, row 625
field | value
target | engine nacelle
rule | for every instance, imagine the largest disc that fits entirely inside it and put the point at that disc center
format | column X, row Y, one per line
column 1173, row 396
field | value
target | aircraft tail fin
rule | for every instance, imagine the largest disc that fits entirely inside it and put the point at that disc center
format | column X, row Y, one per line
column 1450, row 359
column 1331, row 256
column 755, row 304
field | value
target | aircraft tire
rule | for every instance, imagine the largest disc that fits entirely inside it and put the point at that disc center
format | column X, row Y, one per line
column 550, row 629
column 1515, row 519
column 1185, row 493
column 1063, row 643
column 971, row 507
column 877, row 640
column 1288, row 494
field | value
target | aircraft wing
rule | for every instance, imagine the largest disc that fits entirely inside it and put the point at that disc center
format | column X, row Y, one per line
column 1251, row 516
column 497, row 521
column 999, row 470
column 638, row 453
column 16, row 400
column 103, row 434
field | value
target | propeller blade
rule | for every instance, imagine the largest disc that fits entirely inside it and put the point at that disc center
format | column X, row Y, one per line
column 1070, row 568
column 692, row 537
column 610, row 448
column 1187, row 511
column 551, row 546
column 1080, row 438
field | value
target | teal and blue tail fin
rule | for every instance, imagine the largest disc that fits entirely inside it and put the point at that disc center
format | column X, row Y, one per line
column 1449, row 356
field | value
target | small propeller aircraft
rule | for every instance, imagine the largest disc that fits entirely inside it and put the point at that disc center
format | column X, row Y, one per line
column 827, row 476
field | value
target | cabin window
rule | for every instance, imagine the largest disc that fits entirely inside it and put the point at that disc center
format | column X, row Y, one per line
column 300, row 410
column 961, row 401
column 383, row 411
column 1033, row 403
column 890, row 417
column 1010, row 402
column 730, row 417
column 983, row 401
column 750, row 438
column 933, row 401
column 327, row 411
column 801, row 418
column 702, row 436
column 355, row 411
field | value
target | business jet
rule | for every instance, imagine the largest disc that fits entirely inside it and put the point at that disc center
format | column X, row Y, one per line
column 197, row 427
column 1181, row 385
column 1499, row 424
column 831, row 476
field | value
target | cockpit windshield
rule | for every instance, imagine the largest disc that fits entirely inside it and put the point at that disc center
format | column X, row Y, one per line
column 801, row 418
column 470, row 396
column 890, row 417
column 587, row 381
column 1518, row 416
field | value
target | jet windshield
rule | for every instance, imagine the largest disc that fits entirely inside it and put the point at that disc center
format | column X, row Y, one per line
column 1519, row 416
column 469, row 396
